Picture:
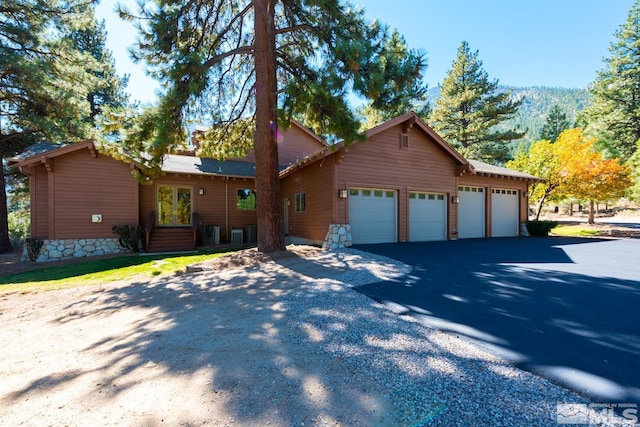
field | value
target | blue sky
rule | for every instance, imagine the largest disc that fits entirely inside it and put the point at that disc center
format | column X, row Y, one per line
column 521, row 42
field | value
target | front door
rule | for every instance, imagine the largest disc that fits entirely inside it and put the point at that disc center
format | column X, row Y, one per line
column 174, row 206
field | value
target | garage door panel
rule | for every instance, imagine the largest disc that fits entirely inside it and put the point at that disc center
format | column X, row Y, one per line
column 504, row 213
column 471, row 212
column 427, row 217
column 373, row 215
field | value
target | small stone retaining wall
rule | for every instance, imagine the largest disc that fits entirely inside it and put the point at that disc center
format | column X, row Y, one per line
column 58, row 249
column 338, row 236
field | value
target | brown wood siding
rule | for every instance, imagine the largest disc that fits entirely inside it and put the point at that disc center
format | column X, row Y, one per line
column 380, row 162
column 212, row 208
column 489, row 183
column 293, row 144
column 84, row 186
column 39, row 185
column 316, row 181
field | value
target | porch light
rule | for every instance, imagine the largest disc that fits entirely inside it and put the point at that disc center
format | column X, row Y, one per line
column 201, row 191
column 342, row 194
column 455, row 199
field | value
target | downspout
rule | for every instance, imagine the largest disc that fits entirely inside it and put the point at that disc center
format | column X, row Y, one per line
column 226, row 207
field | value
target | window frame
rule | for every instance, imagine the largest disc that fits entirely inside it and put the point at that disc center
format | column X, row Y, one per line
column 301, row 202
column 250, row 193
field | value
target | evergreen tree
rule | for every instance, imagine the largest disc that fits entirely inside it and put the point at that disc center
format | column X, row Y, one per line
column 110, row 88
column 555, row 124
column 470, row 107
column 242, row 67
column 45, row 81
column 411, row 94
column 614, row 115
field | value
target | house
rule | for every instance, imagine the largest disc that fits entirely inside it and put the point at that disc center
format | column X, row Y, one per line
column 78, row 194
column 404, row 183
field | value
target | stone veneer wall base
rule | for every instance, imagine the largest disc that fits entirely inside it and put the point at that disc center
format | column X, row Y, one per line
column 338, row 237
column 59, row 249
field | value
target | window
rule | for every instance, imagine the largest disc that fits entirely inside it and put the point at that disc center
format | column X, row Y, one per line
column 404, row 140
column 246, row 199
column 301, row 204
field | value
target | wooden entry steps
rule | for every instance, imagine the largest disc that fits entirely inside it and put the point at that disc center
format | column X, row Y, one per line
column 171, row 240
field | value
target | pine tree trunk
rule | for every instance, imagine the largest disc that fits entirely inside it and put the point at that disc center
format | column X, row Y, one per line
column 5, row 243
column 268, row 200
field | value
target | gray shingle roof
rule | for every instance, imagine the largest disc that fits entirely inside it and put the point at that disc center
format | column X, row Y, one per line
column 486, row 168
column 175, row 163
column 35, row 149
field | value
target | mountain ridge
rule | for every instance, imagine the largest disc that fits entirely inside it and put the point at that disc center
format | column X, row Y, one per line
column 538, row 101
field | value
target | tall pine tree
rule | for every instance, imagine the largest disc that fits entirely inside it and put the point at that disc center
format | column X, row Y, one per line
column 412, row 94
column 470, row 107
column 555, row 124
column 45, row 80
column 242, row 67
column 110, row 88
column 614, row 115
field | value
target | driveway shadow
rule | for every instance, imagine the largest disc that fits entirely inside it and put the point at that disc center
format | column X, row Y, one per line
column 563, row 308
column 263, row 345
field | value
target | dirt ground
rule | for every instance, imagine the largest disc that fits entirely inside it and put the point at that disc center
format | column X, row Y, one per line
column 185, row 350
column 249, row 340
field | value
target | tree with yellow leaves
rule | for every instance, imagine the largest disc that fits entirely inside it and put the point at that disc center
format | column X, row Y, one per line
column 572, row 168
column 540, row 161
column 585, row 173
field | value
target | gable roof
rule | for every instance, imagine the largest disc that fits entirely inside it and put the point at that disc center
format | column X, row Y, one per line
column 408, row 120
column 309, row 132
column 38, row 148
column 172, row 163
column 411, row 119
column 41, row 152
column 486, row 169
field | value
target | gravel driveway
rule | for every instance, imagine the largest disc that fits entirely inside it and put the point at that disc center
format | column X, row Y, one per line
column 284, row 342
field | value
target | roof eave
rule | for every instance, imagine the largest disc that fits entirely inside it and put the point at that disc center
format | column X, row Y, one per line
column 42, row 157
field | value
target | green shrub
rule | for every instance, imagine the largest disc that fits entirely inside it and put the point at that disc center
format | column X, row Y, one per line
column 129, row 236
column 540, row 228
column 18, row 227
column 33, row 245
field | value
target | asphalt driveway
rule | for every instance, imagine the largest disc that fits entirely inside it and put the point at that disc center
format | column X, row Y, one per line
column 563, row 308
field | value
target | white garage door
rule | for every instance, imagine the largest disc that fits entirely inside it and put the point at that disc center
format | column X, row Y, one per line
column 373, row 215
column 471, row 210
column 504, row 213
column 427, row 217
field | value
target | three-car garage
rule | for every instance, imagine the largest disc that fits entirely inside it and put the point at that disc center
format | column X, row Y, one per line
column 374, row 212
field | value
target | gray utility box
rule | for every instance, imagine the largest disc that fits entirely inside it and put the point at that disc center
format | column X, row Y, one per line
column 252, row 233
column 236, row 236
column 211, row 235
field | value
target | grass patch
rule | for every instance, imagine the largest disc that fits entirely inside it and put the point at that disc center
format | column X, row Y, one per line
column 93, row 272
column 575, row 231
